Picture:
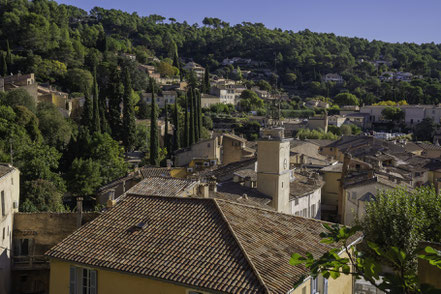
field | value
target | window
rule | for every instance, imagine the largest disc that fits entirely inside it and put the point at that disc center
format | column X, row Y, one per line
column 23, row 247
column 354, row 195
column 12, row 180
column 3, row 203
column 305, row 212
column 296, row 202
column 82, row 281
column 325, row 286
column 314, row 284
column 313, row 210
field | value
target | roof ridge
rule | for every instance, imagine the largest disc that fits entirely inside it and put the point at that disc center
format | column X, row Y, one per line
column 272, row 211
column 253, row 267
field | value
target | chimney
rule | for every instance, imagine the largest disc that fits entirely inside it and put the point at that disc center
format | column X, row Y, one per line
column 79, row 211
column 111, row 195
column 212, row 184
column 204, row 190
column 346, row 161
column 248, row 182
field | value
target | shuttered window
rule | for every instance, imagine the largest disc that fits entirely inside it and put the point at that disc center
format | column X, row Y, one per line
column 82, row 281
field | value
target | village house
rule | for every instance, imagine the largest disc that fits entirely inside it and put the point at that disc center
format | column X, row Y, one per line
column 336, row 120
column 9, row 200
column 413, row 114
column 317, row 103
column 154, row 244
column 196, row 68
column 234, row 149
column 304, row 154
column 168, row 97
column 22, row 81
column 209, row 149
column 32, row 236
column 208, row 100
column 228, row 94
column 333, row 77
column 319, row 122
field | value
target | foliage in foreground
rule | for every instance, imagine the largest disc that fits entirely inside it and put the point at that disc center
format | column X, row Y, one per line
column 398, row 281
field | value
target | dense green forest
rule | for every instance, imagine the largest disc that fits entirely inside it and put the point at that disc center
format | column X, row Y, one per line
column 54, row 40
column 80, row 53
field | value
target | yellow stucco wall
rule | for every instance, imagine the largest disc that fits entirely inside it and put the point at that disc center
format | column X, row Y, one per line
column 109, row 282
column 331, row 188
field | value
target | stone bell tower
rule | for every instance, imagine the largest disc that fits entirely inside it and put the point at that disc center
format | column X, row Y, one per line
column 273, row 173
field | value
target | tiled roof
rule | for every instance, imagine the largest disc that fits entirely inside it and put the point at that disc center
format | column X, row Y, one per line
column 204, row 243
column 5, row 169
column 155, row 172
column 159, row 186
column 118, row 181
column 320, row 142
column 302, row 186
column 235, row 137
column 247, row 172
column 233, row 188
column 429, row 147
column 224, row 173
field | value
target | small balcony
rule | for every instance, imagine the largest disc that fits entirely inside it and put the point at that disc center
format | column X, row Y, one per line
column 33, row 262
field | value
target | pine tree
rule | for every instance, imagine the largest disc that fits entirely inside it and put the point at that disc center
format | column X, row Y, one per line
column 207, row 85
column 129, row 126
column 192, row 126
column 8, row 55
column 196, row 115
column 186, row 127
column 176, row 131
column 154, row 139
column 166, row 137
column 115, row 93
column 4, row 69
column 87, row 115
column 96, row 125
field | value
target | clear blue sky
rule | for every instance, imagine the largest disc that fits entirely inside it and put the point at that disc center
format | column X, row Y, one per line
column 388, row 20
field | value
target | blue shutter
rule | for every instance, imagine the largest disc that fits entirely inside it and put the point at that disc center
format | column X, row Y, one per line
column 92, row 288
column 325, row 286
column 73, row 280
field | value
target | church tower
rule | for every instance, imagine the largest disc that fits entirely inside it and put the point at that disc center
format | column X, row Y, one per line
column 273, row 173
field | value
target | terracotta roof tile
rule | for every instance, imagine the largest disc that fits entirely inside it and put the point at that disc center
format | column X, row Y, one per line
column 159, row 186
column 155, row 172
column 5, row 169
column 201, row 242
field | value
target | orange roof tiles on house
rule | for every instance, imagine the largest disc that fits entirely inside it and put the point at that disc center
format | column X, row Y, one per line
column 203, row 243
column 160, row 186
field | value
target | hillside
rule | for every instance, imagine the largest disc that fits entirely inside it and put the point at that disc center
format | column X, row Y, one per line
column 52, row 40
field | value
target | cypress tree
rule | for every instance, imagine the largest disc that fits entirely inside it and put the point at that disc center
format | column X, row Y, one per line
column 176, row 131
column 186, row 128
column 166, row 137
column 8, row 54
column 4, row 69
column 86, row 116
column 196, row 115
column 129, row 126
column 199, row 114
column 154, row 139
column 207, row 85
column 115, row 93
column 192, row 125
column 96, row 125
